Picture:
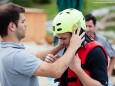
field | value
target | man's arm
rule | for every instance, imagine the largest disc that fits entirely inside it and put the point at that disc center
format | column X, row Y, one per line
column 111, row 54
column 96, row 64
column 53, row 51
column 111, row 65
column 57, row 68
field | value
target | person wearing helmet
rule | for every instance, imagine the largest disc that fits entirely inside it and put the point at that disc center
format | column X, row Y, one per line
column 89, row 68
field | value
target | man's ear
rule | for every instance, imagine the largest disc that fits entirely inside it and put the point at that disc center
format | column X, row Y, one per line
column 12, row 26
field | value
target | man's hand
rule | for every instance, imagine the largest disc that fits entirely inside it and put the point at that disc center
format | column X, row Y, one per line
column 51, row 58
column 76, row 39
column 76, row 63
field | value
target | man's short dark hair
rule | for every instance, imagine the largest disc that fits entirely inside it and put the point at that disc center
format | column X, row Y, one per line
column 9, row 13
column 89, row 17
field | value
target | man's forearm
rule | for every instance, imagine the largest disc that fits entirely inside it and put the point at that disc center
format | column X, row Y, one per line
column 53, row 51
column 86, row 79
column 111, row 65
column 63, row 63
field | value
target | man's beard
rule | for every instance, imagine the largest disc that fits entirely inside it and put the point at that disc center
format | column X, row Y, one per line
column 21, row 37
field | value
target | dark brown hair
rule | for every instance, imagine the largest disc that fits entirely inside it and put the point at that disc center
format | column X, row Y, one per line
column 9, row 13
column 89, row 17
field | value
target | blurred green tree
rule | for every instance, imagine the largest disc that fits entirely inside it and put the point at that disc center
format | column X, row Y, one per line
column 42, row 1
column 25, row 3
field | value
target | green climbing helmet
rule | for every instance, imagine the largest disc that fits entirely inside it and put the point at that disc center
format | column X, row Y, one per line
column 64, row 21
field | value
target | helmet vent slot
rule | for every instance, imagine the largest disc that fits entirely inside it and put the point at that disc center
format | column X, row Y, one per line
column 68, row 12
column 59, row 29
column 53, row 28
column 58, row 24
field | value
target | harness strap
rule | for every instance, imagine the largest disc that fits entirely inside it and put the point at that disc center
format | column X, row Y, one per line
column 71, row 79
column 83, row 66
column 56, row 80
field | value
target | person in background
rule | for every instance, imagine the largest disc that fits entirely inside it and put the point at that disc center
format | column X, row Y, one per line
column 18, row 67
column 90, row 30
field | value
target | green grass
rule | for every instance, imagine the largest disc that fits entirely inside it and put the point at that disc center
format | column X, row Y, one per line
column 90, row 5
column 110, row 28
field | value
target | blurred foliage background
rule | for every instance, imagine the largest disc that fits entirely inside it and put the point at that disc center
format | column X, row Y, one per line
column 50, row 6
column 51, row 9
